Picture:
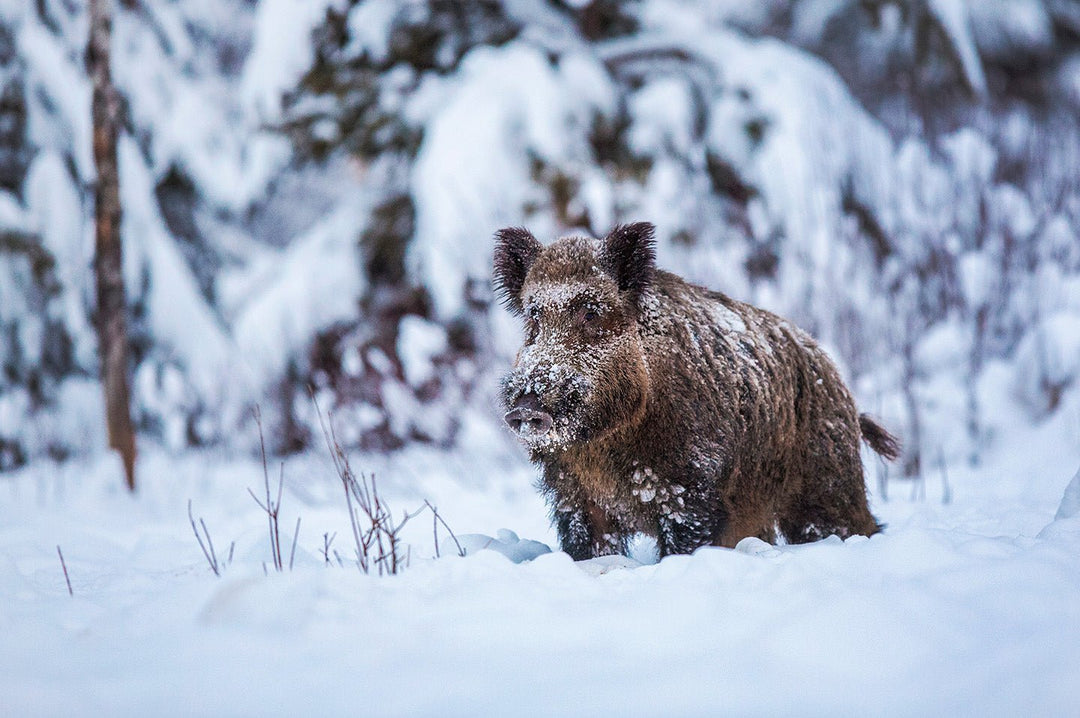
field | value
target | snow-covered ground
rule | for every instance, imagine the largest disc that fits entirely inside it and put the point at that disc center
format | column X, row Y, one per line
column 940, row 267
column 970, row 607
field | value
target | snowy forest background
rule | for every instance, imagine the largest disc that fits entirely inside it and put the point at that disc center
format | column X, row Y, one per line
column 310, row 191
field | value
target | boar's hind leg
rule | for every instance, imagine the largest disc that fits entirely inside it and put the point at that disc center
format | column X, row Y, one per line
column 828, row 502
column 586, row 531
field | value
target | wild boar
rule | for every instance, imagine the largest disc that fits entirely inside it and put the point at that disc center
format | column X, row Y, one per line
column 657, row 406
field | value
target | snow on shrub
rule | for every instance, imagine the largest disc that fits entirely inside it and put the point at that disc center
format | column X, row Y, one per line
column 506, row 108
column 1048, row 362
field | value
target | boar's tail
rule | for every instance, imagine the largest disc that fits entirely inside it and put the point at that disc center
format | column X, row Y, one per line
column 878, row 438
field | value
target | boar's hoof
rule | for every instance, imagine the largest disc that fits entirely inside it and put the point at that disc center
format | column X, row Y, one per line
column 528, row 418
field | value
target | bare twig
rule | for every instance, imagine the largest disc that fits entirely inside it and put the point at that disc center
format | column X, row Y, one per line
column 211, row 557
column 946, row 489
column 435, row 532
column 376, row 535
column 337, row 455
column 296, row 535
column 277, row 507
column 260, row 503
column 209, row 541
column 270, row 507
column 327, row 540
column 63, row 565
column 437, row 517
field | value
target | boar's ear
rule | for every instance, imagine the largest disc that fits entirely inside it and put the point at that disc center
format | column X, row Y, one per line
column 630, row 256
column 515, row 250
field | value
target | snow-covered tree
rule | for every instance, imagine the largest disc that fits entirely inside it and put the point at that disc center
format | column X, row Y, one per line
column 313, row 188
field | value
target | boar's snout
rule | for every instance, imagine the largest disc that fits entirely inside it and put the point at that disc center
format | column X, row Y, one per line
column 527, row 417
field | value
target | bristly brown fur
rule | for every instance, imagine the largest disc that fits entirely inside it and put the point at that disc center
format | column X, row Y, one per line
column 880, row 440
column 673, row 410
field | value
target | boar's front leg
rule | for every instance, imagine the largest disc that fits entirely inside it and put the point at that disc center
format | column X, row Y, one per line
column 586, row 531
column 683, row 531
column 575, row 535
column 584, row 528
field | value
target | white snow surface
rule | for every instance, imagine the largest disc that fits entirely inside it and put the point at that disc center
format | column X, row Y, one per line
column 1070, row 501
column 970, row 607
column 969, row 603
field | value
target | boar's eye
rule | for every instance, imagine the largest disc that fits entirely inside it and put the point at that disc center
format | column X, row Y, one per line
column 591, row 321
column 532, row 323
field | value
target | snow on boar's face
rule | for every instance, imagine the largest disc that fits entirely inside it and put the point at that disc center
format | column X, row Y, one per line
column 581, row 373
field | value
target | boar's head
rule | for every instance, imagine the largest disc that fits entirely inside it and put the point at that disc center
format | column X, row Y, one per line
column 581, row 373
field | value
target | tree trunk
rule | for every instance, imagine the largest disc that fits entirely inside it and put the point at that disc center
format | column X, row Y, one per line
column 111, row 319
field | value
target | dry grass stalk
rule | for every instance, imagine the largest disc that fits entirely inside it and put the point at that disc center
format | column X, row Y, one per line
column 376, row 534
column 207, row 546
column 271, row 506
column 64, row 566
